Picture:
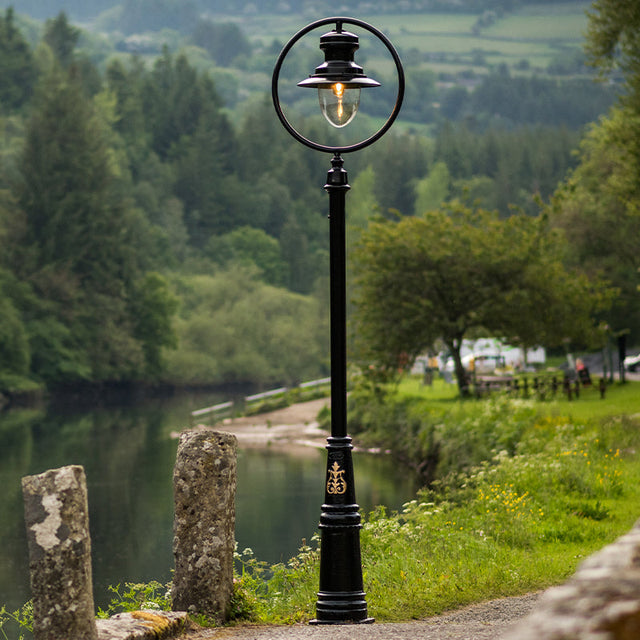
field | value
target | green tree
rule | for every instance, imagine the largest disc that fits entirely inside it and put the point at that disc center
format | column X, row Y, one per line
column 153, row 307
column 433, row 189
column 176, row 100
column 224, row 41
column 294, row 246
column 598, row 208
column 79, row 245
column 15, row 354
column 402, row 160
column 62, row 38
column 248, row 245
column 17, row 67
column 455, row 270
column 235, row 328
column 613, row 41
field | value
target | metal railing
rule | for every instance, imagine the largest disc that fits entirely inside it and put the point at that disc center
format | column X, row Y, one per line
column 250, row 403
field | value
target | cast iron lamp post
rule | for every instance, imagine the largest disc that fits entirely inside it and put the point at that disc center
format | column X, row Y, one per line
column 341, row 598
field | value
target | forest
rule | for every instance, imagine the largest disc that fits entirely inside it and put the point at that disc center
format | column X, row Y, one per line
column 158, row 225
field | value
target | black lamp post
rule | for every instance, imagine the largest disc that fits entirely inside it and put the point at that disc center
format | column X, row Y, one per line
column 341, row 598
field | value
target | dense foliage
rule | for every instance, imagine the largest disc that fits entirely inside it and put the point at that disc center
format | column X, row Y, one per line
column 444, row 273
column 108, row 188
column 598, row 206
column 148, row 231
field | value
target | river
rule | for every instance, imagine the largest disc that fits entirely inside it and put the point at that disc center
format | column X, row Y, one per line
column 128, row 453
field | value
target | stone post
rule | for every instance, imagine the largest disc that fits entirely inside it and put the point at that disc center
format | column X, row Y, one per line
column 57, row 521
column 204, row 485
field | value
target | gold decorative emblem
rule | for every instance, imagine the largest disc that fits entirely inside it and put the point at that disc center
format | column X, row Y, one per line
column 336, row 484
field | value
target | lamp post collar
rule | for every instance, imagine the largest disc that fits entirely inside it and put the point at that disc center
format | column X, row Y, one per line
column 337, row 175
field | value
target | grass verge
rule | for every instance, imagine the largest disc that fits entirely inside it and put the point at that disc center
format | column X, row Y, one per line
column 551, row 488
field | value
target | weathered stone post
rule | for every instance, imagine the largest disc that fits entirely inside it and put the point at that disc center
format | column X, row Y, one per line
column 57, row 521
column 204, row 485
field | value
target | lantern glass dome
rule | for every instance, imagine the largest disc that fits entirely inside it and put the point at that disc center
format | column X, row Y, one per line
column 339, row 103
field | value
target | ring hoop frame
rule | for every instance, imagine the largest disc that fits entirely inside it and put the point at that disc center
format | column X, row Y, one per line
column 367, row 141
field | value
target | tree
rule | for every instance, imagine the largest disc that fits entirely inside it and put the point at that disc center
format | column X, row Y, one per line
column 401, row 160
column 598, row 208
column 224, row 42
column 433, row 189
column 233, row 327
column 294, row 247
column 14, row 345
column 455, row 270
column 598, row 205
column 17, row 67
column 62, row 38
column 613, row 41
column 153, row 307
column 250, row 246
column 78, row 249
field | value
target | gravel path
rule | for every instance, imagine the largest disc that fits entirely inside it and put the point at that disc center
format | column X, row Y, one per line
column 485, row 621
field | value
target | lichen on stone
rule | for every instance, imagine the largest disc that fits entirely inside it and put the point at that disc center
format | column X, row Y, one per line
column 158, row 623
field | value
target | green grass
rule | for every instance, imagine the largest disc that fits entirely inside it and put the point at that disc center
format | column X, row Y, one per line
column 620, row 399
column 555, row 481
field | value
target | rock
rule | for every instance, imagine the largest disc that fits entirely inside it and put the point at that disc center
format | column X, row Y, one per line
column 142, row 625
column 600, row 602
column 57, row 521
column 204, row 483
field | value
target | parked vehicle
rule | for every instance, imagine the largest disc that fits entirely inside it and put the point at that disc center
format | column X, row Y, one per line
column 632, row 363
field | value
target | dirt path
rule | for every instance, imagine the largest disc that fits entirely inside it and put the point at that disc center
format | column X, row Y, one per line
column 484, row 621
column 292, row 427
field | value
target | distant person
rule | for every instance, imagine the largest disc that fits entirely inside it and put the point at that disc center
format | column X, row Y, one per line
column 583, row 373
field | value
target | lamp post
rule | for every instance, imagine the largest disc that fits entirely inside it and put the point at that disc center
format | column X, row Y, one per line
column 341, row 598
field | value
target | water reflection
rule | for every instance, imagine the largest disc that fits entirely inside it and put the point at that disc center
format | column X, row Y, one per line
column 128, row 455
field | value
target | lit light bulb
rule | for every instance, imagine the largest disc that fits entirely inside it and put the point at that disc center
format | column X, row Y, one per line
column 338, row 91
column 339, row 103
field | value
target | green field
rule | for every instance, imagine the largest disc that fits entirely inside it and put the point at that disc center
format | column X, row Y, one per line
column 447, row 42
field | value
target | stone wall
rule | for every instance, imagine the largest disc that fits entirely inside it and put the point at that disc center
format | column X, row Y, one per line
column 600, row 602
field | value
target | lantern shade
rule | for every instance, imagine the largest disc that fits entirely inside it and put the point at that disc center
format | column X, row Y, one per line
column 339, row 79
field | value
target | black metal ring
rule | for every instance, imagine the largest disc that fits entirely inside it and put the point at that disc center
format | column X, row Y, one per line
column 276, row 75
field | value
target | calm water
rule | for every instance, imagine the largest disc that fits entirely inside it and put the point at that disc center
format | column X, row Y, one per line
column 128, row 455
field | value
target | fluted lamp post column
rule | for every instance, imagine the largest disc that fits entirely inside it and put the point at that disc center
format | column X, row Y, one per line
column 339, row 80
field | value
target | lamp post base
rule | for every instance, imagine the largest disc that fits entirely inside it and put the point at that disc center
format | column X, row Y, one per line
column 341, row 599
column 341, row 608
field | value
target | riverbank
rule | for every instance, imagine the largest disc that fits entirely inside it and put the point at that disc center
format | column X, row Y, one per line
column 293, row 428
